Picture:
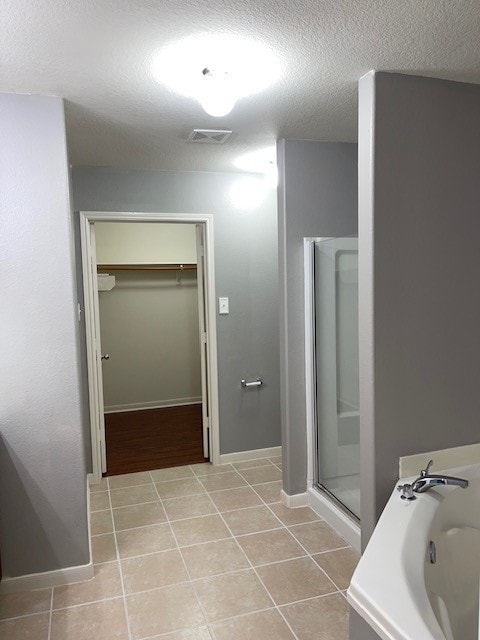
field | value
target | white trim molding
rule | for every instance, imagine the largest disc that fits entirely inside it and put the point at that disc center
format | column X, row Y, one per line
column 294, row 501
column 47, row 579
column 309, row 358
column 87, row 220
column 154, row 404
column 253, row 454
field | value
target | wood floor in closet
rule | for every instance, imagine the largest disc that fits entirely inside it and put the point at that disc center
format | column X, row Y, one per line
column 153, row 439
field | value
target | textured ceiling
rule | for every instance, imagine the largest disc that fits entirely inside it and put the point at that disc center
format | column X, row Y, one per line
column 97, row 54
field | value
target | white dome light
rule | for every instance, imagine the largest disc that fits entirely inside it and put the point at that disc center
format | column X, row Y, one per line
column 216, row 70
column 217, row 95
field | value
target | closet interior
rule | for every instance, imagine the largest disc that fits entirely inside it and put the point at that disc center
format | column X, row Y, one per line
column 151, row 349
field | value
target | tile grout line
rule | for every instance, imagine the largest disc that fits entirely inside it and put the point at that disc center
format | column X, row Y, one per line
column 199, row 544
column 309, row 555
column 281, row 524
column 50, row 617
column 268, row 505
column 218, row 512
column 255, row 571
column 258, row 577
column 242, row 486
column 129, row 631
column 189, row 580
column 280, row 612
column 184, row 563
column 272, row 608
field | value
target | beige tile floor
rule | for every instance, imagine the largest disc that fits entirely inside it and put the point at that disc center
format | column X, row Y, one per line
column 196, row 553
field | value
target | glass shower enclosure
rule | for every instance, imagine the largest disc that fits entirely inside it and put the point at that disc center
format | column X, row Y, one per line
column 337, row 416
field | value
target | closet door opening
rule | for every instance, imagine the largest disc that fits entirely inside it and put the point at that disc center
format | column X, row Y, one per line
column 151, row 338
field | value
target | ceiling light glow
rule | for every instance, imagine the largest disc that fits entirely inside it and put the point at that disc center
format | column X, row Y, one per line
column 262, row 161
column 257, row 161
column 216, row 70
column 248, row 193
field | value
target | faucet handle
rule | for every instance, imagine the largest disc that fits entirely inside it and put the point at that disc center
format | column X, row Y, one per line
column 424, row 472
column 406, row 491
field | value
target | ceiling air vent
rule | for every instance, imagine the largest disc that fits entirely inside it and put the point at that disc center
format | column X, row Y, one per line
column 209, row 136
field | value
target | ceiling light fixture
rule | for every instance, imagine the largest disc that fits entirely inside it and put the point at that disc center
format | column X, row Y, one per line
column 216, row 70
column 217, row 96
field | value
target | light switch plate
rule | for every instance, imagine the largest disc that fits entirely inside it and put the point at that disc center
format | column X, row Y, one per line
column 223, row 307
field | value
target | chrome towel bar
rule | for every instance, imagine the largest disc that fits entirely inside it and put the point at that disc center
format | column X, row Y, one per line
column 255, row 383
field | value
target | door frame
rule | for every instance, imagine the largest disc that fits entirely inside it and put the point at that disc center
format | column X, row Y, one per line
column 90, row 292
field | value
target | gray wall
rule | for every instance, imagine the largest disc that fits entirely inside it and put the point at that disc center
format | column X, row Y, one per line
column 419, row 229
column 419, row 269
column 317, row 196
column 246, row 272
column 43, row 519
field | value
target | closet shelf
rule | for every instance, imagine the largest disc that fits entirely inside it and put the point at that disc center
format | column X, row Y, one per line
column 147, row 267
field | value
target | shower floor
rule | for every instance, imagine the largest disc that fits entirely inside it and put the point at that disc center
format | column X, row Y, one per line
column 347, row 490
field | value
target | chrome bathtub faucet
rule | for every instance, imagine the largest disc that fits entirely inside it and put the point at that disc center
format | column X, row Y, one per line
column 426, row 481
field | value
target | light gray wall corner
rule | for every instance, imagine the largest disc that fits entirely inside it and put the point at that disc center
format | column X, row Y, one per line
column 245, row 271
column 317, row 196
column 365, row 304
column 283, row 317
column 419, row 151
column 359, row 629
column 43, row 507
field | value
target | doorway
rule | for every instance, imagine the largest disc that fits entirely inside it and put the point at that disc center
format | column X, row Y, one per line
column 148, row 423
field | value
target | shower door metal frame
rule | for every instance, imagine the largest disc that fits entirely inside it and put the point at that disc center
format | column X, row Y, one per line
column 311, row 381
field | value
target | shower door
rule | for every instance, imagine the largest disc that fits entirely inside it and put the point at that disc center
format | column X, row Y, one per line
column 336, row 364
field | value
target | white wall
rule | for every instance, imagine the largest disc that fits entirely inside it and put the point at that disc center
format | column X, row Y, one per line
column 149, row 328
column 149, row 320
column 131, row 243
column 43, row 515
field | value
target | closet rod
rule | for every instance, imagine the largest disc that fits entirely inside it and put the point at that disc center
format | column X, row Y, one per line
column 146, row 267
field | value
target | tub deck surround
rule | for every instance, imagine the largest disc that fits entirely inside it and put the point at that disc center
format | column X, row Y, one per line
column 442, row 459
column 197, row 553
column 388, row 588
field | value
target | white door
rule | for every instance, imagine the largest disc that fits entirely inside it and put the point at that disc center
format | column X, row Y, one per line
column 202, row 326
column 94, row 347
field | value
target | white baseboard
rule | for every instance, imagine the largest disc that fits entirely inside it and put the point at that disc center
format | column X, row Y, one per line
column 253, row 454
column 343, row 525
column 47, row 579
column 89, row 521
column 295, row 500
column 154, row 404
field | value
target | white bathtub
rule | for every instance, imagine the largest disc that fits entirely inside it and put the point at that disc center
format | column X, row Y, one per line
column 398, row 591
